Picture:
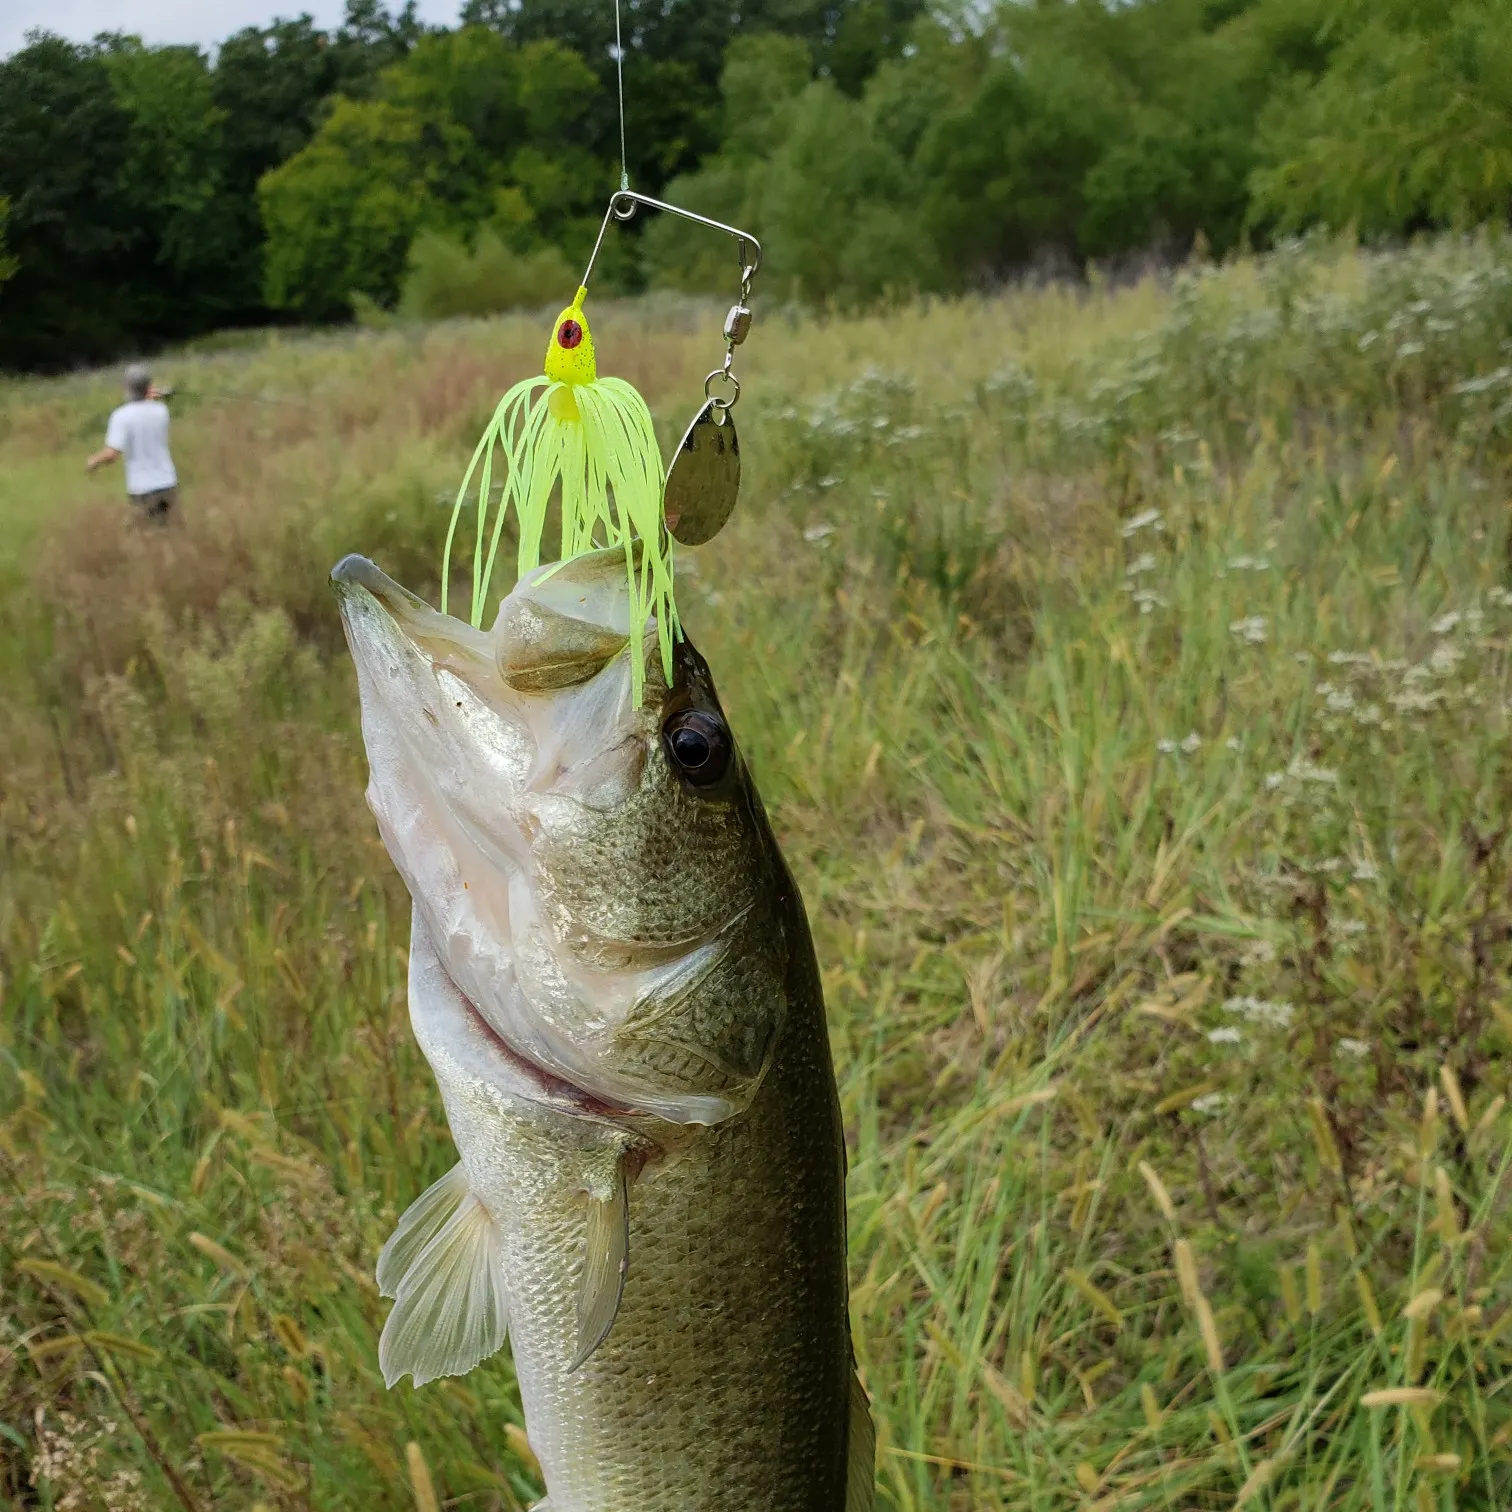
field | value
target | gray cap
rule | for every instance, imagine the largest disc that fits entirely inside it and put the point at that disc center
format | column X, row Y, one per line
column 138, row 380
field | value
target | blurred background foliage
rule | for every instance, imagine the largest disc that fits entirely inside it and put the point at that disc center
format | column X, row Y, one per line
column 883, row 147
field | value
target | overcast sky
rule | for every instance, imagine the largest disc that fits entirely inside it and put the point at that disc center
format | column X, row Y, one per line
column 200, row 21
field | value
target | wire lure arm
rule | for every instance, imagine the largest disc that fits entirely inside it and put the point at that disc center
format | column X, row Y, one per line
column 622, row 206
column 703, row 481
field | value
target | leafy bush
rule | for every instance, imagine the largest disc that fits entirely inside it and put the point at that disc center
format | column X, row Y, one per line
column 444, row 278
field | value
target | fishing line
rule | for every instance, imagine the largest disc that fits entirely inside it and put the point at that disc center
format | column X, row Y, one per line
column 619, row 68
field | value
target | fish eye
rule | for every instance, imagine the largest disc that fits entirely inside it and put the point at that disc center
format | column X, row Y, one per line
column 569, row 334
column 698, row 745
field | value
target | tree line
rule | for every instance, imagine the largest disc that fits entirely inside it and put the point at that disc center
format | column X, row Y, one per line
column 880, row 147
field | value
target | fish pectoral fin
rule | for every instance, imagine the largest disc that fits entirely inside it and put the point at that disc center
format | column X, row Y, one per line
column 861, row 1461
column 444, row 1267
column 606, row 1262
column 423, row 1219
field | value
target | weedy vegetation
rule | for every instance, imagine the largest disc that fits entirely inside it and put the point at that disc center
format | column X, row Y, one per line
column 1128, row 675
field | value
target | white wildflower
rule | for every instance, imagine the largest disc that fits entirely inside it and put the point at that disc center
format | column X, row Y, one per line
column 1445, row 623
column 1166, row 747
column 1364, row 871
column 1192, row 744
column 818, row 532
column 1340, row 701
column 1446, row 657
column 1227, row 1035
column 1213, row 1102
column 1355, row 1049
column 1262, row 1011
column 1416, row 701
column 1251, row 630
column 1142, row 563
column 1142, row 521
column 1302, row 770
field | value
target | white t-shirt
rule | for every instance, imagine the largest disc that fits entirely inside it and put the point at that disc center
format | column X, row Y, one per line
column 139, row 431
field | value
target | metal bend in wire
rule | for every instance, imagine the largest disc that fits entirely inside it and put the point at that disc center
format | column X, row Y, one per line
column 622, row 205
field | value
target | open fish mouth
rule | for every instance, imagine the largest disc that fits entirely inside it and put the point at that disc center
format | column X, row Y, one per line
column 486, row 749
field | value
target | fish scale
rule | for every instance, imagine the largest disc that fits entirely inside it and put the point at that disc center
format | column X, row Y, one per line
column 724, row 1379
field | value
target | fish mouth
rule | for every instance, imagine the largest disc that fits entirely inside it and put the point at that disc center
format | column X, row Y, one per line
column 469, row 733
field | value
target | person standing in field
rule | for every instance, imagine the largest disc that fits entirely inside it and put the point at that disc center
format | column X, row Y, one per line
column 138, row 431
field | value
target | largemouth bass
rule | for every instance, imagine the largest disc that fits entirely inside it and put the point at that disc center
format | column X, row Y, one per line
column 612, row 978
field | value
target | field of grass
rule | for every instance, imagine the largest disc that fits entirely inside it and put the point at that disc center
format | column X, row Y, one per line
column 1127, row 673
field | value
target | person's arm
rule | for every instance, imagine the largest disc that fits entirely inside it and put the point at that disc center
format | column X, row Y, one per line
column 115, row 439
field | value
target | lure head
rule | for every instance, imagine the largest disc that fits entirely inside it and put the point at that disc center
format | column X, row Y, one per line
column 569, row 353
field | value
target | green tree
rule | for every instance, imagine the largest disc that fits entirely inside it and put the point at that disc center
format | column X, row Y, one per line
column 524, row 108
column 84, row 254
column 837, row 206
column 469, row 129
column 269, row 84
column 172, row 176
column 1409, row 125
column 764, row 76
column 369, row 40
column 675, row 54
column 341, row 213
column 1099, row 129
column 9, row 266
column 1007, row 167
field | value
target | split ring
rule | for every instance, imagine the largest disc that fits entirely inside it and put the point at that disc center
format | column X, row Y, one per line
column 731, row 379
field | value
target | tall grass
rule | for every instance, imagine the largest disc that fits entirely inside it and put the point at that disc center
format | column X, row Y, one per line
column 1127, row 673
